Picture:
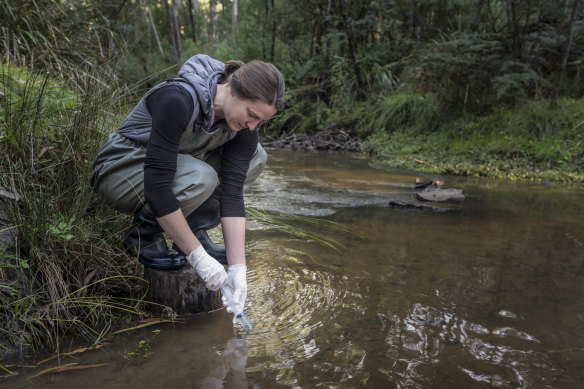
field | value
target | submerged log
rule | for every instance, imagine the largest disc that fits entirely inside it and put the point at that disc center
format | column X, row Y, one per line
column 181, row 290
column 416, row 206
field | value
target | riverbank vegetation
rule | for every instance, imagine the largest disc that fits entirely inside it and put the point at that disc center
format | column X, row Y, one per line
column 60, row 269
column 470, row 87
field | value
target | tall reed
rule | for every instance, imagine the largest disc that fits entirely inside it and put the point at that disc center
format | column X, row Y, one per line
column 65, row 38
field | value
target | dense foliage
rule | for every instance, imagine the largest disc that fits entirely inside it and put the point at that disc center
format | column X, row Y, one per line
column 482, row 87
column 345, row 62
column 385, row 68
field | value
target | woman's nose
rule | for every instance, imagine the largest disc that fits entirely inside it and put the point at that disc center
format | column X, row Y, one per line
column 252, row 124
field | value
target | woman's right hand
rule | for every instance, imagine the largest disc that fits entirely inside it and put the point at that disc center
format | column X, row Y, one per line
column 207, row 267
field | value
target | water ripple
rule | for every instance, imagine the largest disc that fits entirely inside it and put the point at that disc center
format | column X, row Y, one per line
column 289, row 298
column 316, row 197
column 426, row 335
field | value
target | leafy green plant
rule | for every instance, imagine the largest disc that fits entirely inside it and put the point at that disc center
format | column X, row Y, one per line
column 143, row 350
column 517, row 80
column 63, row 229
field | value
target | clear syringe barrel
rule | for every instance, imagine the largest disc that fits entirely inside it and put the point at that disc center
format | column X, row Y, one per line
column 227, row 292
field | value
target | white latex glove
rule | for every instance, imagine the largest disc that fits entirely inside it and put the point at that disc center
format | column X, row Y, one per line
column 207, row 267
column 238, row 282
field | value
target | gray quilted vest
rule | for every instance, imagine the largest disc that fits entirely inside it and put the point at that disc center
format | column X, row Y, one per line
column 199, row 76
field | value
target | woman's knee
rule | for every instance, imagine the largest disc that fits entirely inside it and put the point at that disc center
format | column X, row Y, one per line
column 202, row 183
column 194, row 182
column 121, row 194
column 256, row 166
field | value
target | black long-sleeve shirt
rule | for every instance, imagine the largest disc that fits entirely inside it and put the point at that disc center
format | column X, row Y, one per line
column 171, row 108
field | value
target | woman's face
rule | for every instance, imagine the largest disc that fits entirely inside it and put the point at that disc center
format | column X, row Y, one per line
column 241, row 113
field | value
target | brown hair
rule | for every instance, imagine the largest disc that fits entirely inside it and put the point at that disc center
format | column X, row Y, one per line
column 256, row 81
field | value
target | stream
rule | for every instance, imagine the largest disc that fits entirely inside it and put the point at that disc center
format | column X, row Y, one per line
column 487, row 294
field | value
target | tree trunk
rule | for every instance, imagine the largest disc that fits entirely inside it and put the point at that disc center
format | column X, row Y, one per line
column 154, row 29
column 267, row 14
column 223, row 8
column 214, row 17
column 235, row 20
column 377, row 28
column 328, row 39
column 351, row 42
column 182, row 291
column 192, row 18
column 566, row 53
column 527, row 13
column 177, row 32
column 477, row 17
column 437, row 22
column 516, row 30
column 274, row 24
column 513, row 23
column 491, row 17
column 170, row 28
column 315, row 38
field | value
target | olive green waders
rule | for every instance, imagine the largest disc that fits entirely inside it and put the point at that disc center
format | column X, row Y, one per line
column 118, row 178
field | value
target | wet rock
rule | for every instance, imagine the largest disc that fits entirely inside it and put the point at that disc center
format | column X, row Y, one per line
column 439, row 194
column 424, row 184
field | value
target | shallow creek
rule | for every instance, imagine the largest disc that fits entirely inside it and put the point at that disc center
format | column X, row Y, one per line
column 489, row 293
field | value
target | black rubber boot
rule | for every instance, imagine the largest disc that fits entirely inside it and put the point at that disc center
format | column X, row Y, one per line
column 145, row 237
column 204, row 218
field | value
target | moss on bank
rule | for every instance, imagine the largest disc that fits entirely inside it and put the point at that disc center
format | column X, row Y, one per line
column 532, row 141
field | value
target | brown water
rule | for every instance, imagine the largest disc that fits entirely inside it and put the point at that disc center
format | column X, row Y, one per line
column 488, row 294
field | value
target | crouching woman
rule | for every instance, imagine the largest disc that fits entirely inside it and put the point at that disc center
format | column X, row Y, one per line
column 181, row 160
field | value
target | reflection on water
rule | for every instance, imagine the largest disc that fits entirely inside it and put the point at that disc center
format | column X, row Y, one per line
column 487, row 295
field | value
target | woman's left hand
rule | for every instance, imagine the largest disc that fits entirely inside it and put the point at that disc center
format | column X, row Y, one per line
column 236, row 278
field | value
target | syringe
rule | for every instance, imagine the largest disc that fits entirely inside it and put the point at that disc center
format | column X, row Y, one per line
column 227, row 292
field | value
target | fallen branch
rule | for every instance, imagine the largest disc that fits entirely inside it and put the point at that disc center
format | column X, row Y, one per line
column 146, row 323
column 59, row 369
column 77, row 351
column 420, row 161
column 329, row 140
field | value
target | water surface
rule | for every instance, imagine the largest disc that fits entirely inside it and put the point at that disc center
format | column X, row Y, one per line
column 489, row 293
